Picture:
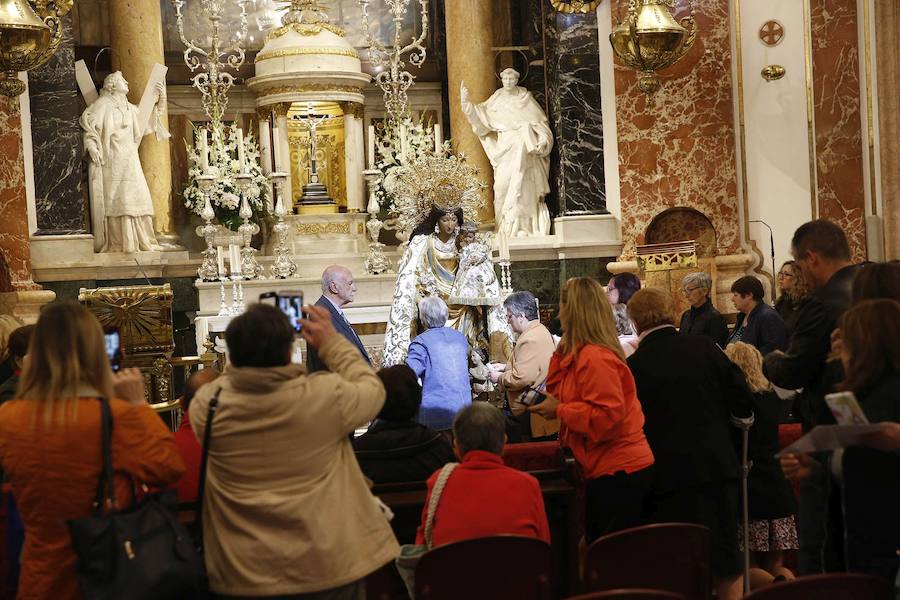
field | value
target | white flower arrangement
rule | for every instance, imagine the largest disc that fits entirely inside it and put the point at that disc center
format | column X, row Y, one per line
column 419, row 142
column 224, row 166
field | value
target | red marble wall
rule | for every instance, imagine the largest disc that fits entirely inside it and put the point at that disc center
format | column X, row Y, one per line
column 836, row 107
column 678, row 148
column 13, row 210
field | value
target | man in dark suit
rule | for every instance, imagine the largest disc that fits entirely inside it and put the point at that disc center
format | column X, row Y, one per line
column 758, row 324
column 691, row 395
column 338, row 290
column 821, row 251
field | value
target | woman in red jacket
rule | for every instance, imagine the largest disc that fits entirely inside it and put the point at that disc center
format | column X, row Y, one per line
column 592, row 393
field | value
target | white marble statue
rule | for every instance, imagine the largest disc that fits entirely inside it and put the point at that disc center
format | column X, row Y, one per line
column 122, row 209
column 516, row 137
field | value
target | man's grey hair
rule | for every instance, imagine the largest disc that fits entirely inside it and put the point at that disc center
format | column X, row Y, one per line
column 700, row 279
column 522, row 303
column 510, row 71
column 331, row 275
column 433, row 312
column 480, row 426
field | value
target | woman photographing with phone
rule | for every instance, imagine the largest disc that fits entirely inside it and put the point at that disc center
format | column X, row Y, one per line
column 592, row 393
column 50, row 442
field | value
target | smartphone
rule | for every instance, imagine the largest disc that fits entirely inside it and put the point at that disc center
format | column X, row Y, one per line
column 113, row 342
column 290, row 303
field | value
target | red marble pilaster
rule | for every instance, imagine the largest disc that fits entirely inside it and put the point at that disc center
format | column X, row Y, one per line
column 677, row 149
column 13, row 208
column 836, row 108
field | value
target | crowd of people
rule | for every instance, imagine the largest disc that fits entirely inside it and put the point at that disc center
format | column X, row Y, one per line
column 653, row 416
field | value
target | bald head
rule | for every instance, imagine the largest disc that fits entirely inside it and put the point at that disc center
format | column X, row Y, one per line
column 194, row 383
column 338, row 285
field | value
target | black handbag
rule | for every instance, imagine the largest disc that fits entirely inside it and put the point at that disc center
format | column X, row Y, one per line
column 139, row 553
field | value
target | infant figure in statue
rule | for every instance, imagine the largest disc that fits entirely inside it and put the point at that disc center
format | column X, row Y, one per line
column 476, row 282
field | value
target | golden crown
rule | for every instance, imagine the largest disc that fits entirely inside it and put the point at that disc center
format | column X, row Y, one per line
column 436, row 181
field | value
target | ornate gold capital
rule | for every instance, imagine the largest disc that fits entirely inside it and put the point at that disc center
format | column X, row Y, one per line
column 281, row 109
column 352, row 108
column 264, row 113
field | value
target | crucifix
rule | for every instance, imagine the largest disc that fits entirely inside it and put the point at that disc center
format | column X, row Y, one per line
column 314, row 192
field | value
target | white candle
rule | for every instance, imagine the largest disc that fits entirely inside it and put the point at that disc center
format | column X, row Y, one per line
column 404, row 148
column 276, row 145
column 204, row 151
column 371, row 147
column 235, row 259
column 437, row 139
column 220, row 260
column 240, row 150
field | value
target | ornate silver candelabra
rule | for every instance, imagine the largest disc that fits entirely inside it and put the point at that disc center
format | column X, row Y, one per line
column 215, row 60
column 249, row 266
column 283, row 266
column 395, row 80
column 209, row 268
column 376, row 261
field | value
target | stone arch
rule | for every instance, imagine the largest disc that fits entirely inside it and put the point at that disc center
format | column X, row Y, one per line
column 683, row 223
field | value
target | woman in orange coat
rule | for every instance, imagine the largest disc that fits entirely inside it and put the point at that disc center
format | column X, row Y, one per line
column 50, row 442
column 592, row 392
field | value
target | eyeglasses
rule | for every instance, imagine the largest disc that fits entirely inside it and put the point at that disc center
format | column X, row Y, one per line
column 785, row 274
column 689, row 291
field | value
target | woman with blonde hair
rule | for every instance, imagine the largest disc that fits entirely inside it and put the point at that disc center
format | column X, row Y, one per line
column 792, row 293
column 771, row 502
column 592, row 393
column 50, row 442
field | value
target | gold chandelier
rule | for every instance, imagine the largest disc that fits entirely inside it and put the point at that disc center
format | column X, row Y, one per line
column 30, row 32
column 650, row 39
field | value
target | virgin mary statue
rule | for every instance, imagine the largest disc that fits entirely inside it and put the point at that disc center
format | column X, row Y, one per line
column 440, row 190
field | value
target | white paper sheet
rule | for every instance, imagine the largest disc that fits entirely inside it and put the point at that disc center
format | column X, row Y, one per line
column 830, row 437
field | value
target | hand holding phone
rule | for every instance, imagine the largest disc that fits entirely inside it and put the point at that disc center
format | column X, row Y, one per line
column 317, row 326
column 112, row 340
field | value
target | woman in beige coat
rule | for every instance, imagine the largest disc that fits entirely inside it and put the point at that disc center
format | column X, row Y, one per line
column 287, row 511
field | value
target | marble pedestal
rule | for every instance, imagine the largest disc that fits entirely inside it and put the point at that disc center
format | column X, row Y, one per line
column 25, row 305
column 319, row 234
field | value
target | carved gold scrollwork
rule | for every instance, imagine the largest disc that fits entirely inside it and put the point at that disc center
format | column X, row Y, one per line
column 320, row 228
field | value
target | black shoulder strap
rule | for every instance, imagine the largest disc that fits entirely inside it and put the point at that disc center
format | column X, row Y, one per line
column 106, row 494
column 204, row 455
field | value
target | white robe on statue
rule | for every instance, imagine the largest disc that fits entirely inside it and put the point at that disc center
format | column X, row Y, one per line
column 121, row 201
column 516, row 137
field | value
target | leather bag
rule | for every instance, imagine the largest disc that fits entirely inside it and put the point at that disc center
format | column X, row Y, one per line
column 139, row 553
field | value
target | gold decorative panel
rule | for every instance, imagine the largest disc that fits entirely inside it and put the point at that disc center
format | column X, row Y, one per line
column 329, row 153
column 667, row 257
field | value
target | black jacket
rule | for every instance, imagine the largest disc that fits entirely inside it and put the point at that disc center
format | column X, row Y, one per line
column 313, row 362
column 707, row 321
column 765, row 329
column 789, row 311
column 688, row 390
column 769, row 494
column 871, row 491
column 394, row 452
column 8, row 389
column 803, row 364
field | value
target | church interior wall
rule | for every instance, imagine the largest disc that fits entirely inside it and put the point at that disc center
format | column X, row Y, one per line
column 678, row 147
column 838, row 122
column 777, row 153
column 886, row 65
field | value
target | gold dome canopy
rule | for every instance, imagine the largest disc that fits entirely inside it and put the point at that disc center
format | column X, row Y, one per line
column 307, row 59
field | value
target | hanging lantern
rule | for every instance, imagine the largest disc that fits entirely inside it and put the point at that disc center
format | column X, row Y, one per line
column 30, row 32
column 650, row 39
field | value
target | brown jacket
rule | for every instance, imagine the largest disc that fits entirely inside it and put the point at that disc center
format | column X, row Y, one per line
column 528, row 366
column 286, row 509
column 53, row 470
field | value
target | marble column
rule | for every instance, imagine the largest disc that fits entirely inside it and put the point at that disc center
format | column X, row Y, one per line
column 887, row 60
column 136, row 42
column 354, row 155
column 283, row 141
column 57, row 142
column 469, row 27
column 572, row 61
column 13, row 206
